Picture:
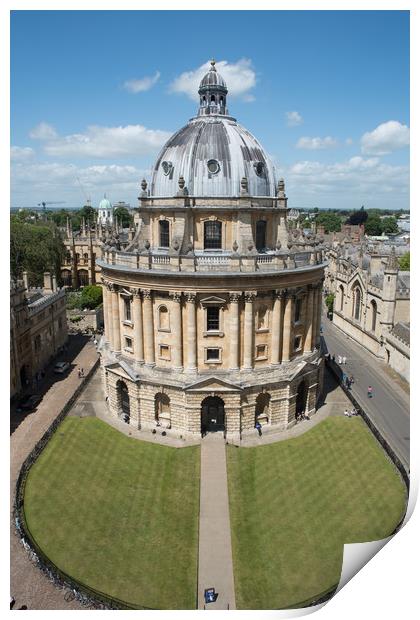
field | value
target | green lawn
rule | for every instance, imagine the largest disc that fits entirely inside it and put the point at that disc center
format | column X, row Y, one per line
column 118, row 514
column 293, row 505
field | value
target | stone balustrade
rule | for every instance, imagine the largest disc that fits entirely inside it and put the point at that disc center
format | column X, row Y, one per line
column 221, row 262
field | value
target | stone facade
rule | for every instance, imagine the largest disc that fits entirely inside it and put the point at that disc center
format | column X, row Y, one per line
column 38, row 329
column 371, row 293
column 212, row 311
column 397, row 349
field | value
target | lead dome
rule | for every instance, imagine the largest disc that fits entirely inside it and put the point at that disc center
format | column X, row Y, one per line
column 213, row 152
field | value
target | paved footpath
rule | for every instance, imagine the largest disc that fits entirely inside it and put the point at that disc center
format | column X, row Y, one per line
column 28, row 585
column 215, row 566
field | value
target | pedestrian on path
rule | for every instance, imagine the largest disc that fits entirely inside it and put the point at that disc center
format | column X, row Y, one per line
column 258, row 427
column 370, row 391
column 344, row 359
column 339, row 359
column 346, row 413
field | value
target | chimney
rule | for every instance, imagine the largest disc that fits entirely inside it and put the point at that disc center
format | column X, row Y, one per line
column 48, row 284
column 25, row 280
column 54, row 283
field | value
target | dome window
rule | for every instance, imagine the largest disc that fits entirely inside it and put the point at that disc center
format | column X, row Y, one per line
column 213, row 166
column 259, row 168
column 166, row 167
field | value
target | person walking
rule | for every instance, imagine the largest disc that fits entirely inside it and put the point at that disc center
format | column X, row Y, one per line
column 258, row 427
column 370, row 391
column 344, row 359
column 339, row 359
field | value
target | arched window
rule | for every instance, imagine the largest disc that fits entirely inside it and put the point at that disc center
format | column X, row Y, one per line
column 163, row 410
column 163, row 317
column 164, row 234
column 86, row 258
column 66, row 277
column 262, row 409
column 83, row 277
column 262, row 318
column 221, row 100
column 212, row 235
column 357, row 298
column 374, row 312
column 341, row 290
column 123, row 400
column 260, row 234
column 213, row 99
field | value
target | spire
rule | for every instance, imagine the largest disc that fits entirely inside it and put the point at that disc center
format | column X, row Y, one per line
column 392, row 262
column 212, row 91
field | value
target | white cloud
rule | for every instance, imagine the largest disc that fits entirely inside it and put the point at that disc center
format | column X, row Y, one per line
column 315, row 144
column 353, row 176
column 240, row 78
column 141, row 84
column 21, row 153
column 43, row 131
column 107, row 142
column 386, row 138
column 294, row 119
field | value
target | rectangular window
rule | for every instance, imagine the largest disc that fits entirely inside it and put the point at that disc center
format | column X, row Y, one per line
column 128, row 343
column 127, row 309
column 213, row 323
column 297, row 343
column 164, row 234
column 213, row 355
column 298, row 309
column 261, row 352
column 212, row 235
column 164, row 352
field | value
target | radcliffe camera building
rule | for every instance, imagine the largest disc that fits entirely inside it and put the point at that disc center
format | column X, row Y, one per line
column 212, row 311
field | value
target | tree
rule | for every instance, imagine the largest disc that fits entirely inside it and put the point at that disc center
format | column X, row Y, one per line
column 123, row 216
column 373, row 225
column 87, row 212
column 389, row 225
column 35, row 248
column 329, row 302
column 91, row 296
column 330, row 221
column 357, row 217
column 404, row 262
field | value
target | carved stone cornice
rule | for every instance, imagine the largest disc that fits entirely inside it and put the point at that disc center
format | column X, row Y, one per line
column 191, row 297
column 147, row 293
column 250, row 296
column 176, row 296
column 234, row 297
column 136, row 292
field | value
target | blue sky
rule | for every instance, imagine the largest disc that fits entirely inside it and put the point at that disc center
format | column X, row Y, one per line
column 94, row 94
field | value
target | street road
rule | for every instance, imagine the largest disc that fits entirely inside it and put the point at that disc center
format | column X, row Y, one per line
column 389, row 408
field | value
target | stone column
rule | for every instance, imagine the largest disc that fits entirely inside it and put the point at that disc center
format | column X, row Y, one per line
column 287, row 327
column 177, row 329
column 149, row 334
column 138, row 327
column 105, row 305
column 275, row 329
column 234, row 330
column 248, row 329
column 191, row 332
column 116, row 339
column 309, row 321
column 317, row 306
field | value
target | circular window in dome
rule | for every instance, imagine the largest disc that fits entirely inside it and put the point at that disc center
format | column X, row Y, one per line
column 259, row 168
column 166, row 167
column 213, row 166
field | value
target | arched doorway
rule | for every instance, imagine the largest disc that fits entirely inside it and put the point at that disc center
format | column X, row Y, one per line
column 124, row 399
column 163, row 410
column 212, row 415
column 301, row 398
column 262, row 409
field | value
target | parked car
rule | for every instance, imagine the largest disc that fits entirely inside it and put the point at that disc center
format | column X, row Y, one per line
column 61, row 367
column 29, row 402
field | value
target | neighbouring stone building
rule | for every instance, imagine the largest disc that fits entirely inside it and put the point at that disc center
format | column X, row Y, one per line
column 212, row 311
column 372, row 297
column 38, row 329
column 80, row 267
